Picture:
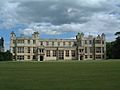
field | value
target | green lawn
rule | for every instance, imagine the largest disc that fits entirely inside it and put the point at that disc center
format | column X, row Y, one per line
column 74, row 75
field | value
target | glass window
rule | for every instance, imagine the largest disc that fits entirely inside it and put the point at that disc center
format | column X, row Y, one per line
column 48, row 53
column 90, row 41
column 54, row 53
column 20, row 50
column 28, row 50
column 73, row 53
column 98, row 49
column 85, row 41
column 52, row 43
column 85, row 49
column 28, row 41
column 67, row 53
column 34, row 41
column 28, row 57
column 34, row 49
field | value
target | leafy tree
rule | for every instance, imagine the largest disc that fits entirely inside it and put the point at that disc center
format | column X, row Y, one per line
column 113, row 48
column 5, row 56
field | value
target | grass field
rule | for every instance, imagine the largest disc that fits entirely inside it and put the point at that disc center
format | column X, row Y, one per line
column 74, row 75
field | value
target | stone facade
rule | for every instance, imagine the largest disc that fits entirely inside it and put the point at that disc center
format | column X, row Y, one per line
column 1, row 44
column 36, row 49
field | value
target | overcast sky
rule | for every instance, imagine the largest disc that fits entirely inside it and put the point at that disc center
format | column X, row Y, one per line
column 59, row 18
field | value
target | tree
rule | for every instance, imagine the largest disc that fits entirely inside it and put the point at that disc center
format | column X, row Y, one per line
column 5, row 56
column 113, row 48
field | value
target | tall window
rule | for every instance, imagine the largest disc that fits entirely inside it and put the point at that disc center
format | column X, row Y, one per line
column 48, row 53
column 63, row 43
column 41, row 50
column 98, row 49
column 13, row 50
column 58, row 43
column 73, row 53
column 91, row 50
column 90, row 41
column 69, row 43
column 103, row 50
column 34, row 41
column 20, row 50
column 28, row 57
column 34, row 49
column 86, row 56
column 85, row 49
column 28, row 50
column 41, row 43
column 54, row 53
column 85, row 41
column 52, row 43
column 28, row 41
column 67, row 53
column 47, row 43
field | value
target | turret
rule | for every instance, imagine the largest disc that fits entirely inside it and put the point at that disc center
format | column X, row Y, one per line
column 103, row 36
column 79, row 39
column 13, row 36
column 35, row 35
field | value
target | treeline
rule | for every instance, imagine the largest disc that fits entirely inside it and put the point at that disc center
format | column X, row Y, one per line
column 113, row 48
column 5, row 56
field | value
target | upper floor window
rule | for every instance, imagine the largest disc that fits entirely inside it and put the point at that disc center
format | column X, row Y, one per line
column 13, row 41
column 34, row 41
column 90, row 41
column 20, row 50
column 34, row 49
column 98, row 49
column 58, row 43
column 20, row 41
column 52, row 43
column 69, row 43
column 47, row 43
column 28, row 50
column 98, row 41
column 63, row 43
column 85, row 49
column 91, row 49
column 85, row 41
column 41, row 43
column 28, row 41
column 13, row 50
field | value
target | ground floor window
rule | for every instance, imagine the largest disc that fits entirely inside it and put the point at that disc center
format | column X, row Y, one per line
column 28, row 57
column 86, row 56
column 34, row 57
column 98, row 56
column 48, row 53
column 21, row 57
column 54, row 53
column 61, row 54
column 73, row 53
column 91, row 56
column 67, row 53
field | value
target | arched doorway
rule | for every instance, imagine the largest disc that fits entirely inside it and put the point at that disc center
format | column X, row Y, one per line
column 41, row 58
column 81, row 57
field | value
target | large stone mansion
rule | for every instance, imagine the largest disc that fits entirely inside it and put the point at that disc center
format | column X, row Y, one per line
column 37, row 49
